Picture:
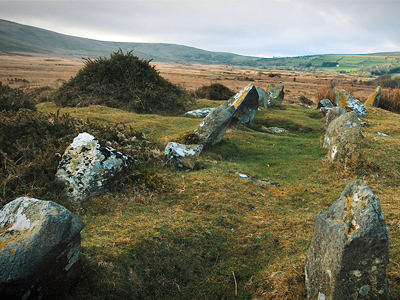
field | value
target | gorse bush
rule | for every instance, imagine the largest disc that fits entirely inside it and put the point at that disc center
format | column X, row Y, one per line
column 214, row 91
column 123, row 81
column 14, row 99
column 325, row 92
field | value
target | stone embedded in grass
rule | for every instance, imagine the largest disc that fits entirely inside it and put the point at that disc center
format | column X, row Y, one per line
column 325, row 106
column 39, row 249
column 242, row 108
column 374, row 99
column 345, row 100
column 343, row 137
column 349, row 252
column 273, row 130
column 183, row 156
column 86, row 167
column 274, row 95
column 199, row 113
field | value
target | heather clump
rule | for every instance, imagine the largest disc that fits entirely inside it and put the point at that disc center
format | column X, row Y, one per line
column 123, row 81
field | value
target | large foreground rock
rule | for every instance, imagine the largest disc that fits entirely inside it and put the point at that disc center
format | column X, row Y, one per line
column 333, row 113
column 86, row 167
column 344, row 100
column 343, row 137
column 374, row 99
column 39, row 249
column 184, row 157
column 349, row 252
column 241, row 108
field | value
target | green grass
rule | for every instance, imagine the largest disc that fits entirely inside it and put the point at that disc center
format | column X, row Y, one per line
column 214, row 235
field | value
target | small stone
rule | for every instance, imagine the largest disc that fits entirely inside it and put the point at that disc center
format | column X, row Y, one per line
column 199, row 113
column 183, row 156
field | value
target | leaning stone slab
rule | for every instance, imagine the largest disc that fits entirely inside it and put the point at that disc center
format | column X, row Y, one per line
column 39, row 249
column 183, row 156
column 349, row 252
column 374, row 99
column 199, row 113
column 343, row 137
column 242, row 108
column 86, row 167
column 274, row 95
column 344, row 100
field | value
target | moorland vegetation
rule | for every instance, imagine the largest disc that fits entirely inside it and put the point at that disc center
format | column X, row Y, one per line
column 159, row 233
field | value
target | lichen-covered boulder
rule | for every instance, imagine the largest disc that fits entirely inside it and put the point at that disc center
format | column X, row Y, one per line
column 374, row 99
column 86, row 167
column 274, row 95
column 345, row 100
column 324, row 103
column 241, row 108
column 39, row 249
column 333, row 113
column 343, row 137
column 184, row 157
column 349, row 252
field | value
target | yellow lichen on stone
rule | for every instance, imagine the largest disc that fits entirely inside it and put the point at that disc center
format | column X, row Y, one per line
column 240, row 99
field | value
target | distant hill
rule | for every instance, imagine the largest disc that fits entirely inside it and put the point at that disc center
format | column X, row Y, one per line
column 21, row 39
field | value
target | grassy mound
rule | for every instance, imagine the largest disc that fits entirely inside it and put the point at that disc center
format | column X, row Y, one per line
column 123, row 81
column 214, row 91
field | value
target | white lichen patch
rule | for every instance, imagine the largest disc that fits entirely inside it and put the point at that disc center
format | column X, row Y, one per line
column 356, row 273
column 364, row 290
column 334, row 151
column 82, row 139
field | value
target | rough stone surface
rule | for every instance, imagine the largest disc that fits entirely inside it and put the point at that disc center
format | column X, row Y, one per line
column 199, row 113
column 183, row 156
column 343, row 137
column 274, row 95
column 333, row 113
column 262, row 97
column 39, row 249
column 374, row 99
column 325, row 103
column 86, row 167
column 349, row 252
column 344, row 100
column 241, row 108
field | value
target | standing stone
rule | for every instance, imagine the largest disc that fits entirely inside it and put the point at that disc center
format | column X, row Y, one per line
column 262, row 97
column 87, row 166
column 274, row 95
column 343, row 137
column 242, row 108
column 333, row 113
column 183, row 156
column 39, row 249
column 349, row 252
column 344, row 100
column 374, row 99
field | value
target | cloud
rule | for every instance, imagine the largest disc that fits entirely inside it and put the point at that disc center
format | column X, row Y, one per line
column 252, row 27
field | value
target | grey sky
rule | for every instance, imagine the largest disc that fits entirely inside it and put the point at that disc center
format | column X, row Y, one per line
column 249, row 27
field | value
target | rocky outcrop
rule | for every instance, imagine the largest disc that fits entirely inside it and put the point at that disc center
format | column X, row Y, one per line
column 345, row 100
column 39, row 249
column 274, row 95
column 86, row 167
column 184, row 157
column 349, row 252
column 240, row 108
column 343, row 137
column 374, row 99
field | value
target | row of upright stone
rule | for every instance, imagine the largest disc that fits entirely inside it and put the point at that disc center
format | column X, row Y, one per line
column 349, row 252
